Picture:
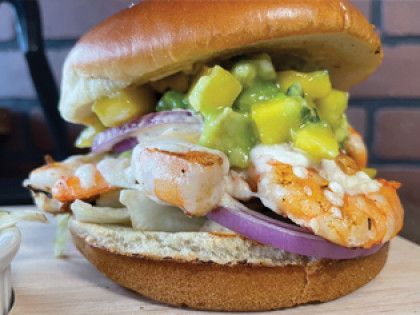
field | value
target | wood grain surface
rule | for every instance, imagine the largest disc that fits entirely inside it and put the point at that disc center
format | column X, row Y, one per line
column 46, row 285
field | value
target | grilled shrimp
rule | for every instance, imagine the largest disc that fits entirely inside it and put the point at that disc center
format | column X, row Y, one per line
column 349, row 210
column 78, row 186
column 355, row 148
column 44, row 177
column 74, row 178
column 187, row 176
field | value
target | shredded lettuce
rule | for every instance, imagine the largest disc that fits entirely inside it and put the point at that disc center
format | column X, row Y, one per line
column 9, row 219
column 62, row 234
column 147, row 215
column 85, row 212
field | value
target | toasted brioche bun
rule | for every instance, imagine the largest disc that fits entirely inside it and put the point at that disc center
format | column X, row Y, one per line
column 157, row 38
column 218, row 272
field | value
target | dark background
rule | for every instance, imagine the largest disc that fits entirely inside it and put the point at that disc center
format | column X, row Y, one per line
column 385, row 108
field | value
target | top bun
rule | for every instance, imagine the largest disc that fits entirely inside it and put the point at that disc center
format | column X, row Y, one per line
column 155, row 39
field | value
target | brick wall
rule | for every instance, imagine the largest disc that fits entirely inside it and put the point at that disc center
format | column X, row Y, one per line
column 385, row 108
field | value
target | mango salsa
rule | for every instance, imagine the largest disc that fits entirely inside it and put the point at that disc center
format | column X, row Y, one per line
column 274, row 119
column 231, row 133
column 124, row 106
column 259, row 91
column 332, row 107
column 342, row 130
column 265, row 68
column 317, row 140
column 245, row 72
column 315, row 84
column 172, row 100
column 258, row 67
column 214, row 90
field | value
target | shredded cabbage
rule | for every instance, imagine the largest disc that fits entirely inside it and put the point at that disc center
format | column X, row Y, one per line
column 147, row 215
column 9, row 219
column 62, row 234
column 85, row 212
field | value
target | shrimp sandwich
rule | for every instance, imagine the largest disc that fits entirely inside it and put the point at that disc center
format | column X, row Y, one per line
column 222, row 172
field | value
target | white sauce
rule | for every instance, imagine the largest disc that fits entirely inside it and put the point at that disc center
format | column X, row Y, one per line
column 336, row 212
column 307, row 190
column 300, row 172
column 341, row 183
column 261, row 155
column 86, row 174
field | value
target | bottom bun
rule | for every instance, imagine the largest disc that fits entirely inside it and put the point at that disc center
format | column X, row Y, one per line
column 176, row 269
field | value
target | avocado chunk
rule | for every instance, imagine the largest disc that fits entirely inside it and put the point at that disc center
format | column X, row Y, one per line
column 318, row 140
column 332, row 107
column 172, row 100
column 342, row 130
column 214, row 90
column 257, row 92
column 231, row 133
column 258, row 67
column 295, row 90
column 274, row 119
column 265, row 68
column 124, row 106
column 315, row 84
column 245, row 71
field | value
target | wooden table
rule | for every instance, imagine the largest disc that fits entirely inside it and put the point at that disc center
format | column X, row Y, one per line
column 45, row 285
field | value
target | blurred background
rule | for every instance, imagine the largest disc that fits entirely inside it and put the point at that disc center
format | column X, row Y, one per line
column 385, row 108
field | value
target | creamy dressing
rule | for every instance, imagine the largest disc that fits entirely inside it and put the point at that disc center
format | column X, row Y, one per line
column 86, row 174
column 300, row 171
column 261, row 155
column 336, row 212
column 341, row 183
column 334, row 198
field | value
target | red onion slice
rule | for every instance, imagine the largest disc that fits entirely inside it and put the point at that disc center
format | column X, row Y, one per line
column 125, row 145
column 282, row 235
column 106, row 140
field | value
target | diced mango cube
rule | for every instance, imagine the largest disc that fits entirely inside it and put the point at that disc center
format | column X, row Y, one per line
column 276, row 118
column 213, row 91
column 124, row 106
column 317, row 140
column 332, row 107
column 315, row 84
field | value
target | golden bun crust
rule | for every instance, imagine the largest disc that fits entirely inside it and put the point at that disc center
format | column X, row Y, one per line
column 225, row 287
column 157, row 38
